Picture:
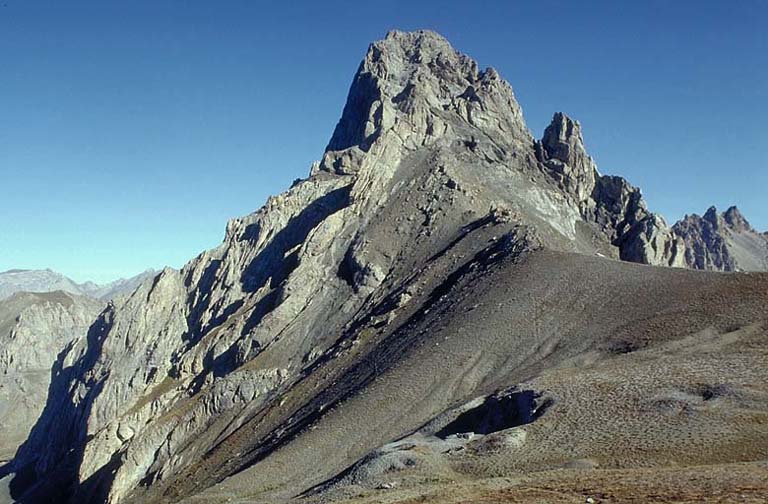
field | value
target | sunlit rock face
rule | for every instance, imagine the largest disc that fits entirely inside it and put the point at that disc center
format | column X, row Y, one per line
column 430, row 176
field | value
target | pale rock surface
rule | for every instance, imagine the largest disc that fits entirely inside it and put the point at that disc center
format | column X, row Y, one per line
column 724, row 242
column 430, row 177
column 34, row 329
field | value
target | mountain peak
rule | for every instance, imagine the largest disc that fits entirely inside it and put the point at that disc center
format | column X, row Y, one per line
column 563, row 139
column 414, row 40
column 736, row 220
column 732, row 218
column 395, row 70
column 562, row 151
column 410, row 81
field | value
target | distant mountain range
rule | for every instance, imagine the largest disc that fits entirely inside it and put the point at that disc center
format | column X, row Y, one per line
column 46, row 280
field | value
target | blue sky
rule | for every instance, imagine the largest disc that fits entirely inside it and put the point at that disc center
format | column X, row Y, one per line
column 130, row 132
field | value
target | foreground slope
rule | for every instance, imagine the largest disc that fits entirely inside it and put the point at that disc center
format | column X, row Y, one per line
column 628, row 367
column 437, row 253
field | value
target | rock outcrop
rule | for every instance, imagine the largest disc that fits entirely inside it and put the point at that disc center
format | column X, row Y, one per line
column 34, row 329
column 562, row 151
column 430, row 179
column 611, row 202
column 722, row 242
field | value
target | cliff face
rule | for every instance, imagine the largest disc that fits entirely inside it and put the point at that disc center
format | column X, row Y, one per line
column 724, row 242
column 430, row 176
column 34, row 330
column 610, row 202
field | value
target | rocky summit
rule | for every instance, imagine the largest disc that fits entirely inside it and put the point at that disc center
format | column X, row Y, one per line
column 446, row 309
column 725, row 242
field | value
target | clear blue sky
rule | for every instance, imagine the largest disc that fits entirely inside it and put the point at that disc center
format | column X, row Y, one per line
column 130, row 133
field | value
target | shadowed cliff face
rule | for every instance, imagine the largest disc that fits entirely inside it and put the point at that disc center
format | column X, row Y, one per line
column 430, row 179
column 35, row 328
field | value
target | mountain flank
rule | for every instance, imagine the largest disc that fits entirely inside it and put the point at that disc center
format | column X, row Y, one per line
column 445, row 302
column 34, row 329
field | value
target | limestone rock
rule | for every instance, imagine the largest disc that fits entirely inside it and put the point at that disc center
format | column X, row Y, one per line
column 35, row 329
column 725, row 242
column 430, row 180
column 562, row 152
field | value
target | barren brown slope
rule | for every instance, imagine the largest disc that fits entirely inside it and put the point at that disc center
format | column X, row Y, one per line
column 744, row 483
column 561, row 324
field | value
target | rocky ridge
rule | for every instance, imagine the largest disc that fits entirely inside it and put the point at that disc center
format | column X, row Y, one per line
column 724, row 242
column 611, row 202
column 431, row 176
column 719, row 242
column 17, row 280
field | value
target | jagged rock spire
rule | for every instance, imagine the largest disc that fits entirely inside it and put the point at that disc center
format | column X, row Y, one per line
column 398, row 71
column 722, row 241
column 411, row 84
column 564, row 141
column 735, row 220
column 562, row 152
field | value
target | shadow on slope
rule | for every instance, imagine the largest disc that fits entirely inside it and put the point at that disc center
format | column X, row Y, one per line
column 61, row 417
column 495, row 328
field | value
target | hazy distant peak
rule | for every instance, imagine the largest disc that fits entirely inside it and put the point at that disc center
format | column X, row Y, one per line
column 736, row 220
column 47, row 280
